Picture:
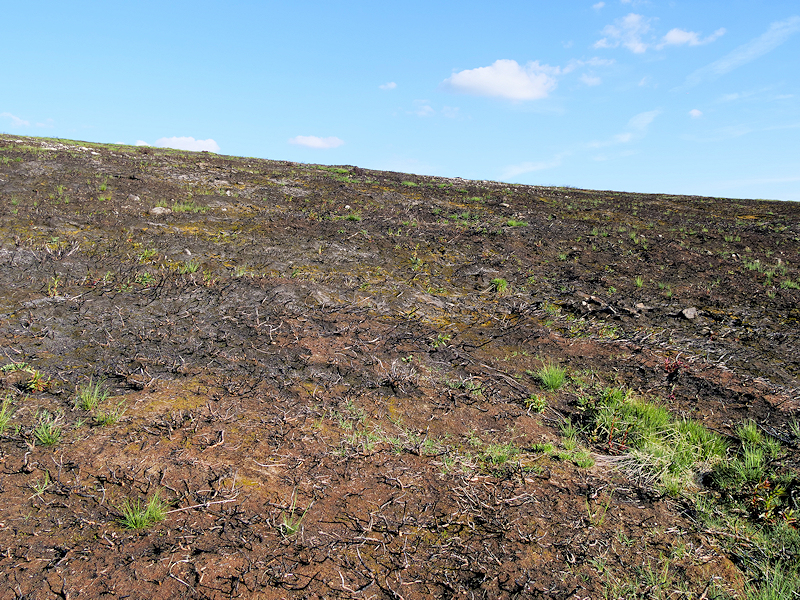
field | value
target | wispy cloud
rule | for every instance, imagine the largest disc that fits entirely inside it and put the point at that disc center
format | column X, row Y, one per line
column 15, row 120
column 312, row 141
column 642, row 121
column 764, row 94
column 627, row 32
column 531, row 167
column 451, row 112
column 613, row 155
column 187, row 143
column 680, row 37
column 695, row 114
column 598, row 6
column 777, row 34
column 591, row 80
column 422, row 108
column 636, row 128
column 505, row 79
column 388, row 86
column 734, row 131
column 592, row 62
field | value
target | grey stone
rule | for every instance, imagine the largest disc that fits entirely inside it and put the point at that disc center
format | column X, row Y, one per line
column 689, row 313
column 160, row 210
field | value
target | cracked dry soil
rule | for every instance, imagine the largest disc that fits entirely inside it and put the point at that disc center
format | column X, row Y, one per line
column 317, row 369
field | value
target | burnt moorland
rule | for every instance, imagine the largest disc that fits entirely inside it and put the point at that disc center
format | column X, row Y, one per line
column 235, row 377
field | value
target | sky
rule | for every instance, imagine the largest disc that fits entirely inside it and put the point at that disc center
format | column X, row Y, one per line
column 679, row 97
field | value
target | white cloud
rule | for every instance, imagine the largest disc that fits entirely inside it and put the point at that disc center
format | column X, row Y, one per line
column 598, row 6
column 15, row 120
column 777, row 33
column 531, row 167
column 141, row 143
column 694, row 113
column 627, row 31
column 505, row 79
column 388, row 86
column 312, row 141
column 188, row 143
column 590, row 80
column 679, row 37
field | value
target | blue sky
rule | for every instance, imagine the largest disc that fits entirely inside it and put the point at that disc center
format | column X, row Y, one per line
column 681, row 97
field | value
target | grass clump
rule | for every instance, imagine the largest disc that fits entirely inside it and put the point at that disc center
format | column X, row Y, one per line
column 747, row 475
column 191, row 266
column 290, row 522
column 90, row 395
column 188, row 207
column 141, row 515
column 756, row 502
column 551, row 376
column 499, row 454
column 110, row 416
column 47, row 430
column 572, row 449
column 657, row 450
column 500, row 285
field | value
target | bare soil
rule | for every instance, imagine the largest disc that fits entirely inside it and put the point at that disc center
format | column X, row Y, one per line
column 321, row 367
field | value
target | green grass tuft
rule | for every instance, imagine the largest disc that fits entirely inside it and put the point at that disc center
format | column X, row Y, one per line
column 139, row 515
column 551, row 376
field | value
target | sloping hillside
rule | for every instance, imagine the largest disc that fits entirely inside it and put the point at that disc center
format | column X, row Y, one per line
column 234, row 377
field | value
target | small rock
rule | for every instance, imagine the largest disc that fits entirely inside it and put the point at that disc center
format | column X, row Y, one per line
column 160, row 210
column 133, row 198
column 689, row 313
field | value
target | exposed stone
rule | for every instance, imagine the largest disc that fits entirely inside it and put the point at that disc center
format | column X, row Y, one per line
column 160, row 210
column 689, row 313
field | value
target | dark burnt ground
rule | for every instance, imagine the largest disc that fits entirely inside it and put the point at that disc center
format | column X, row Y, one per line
column 332, row 348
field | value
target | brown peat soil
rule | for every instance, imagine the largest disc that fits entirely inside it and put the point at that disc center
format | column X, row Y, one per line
column 331, row 382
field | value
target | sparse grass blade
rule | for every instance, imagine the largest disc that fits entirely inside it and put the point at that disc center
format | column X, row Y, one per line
column 5, row 414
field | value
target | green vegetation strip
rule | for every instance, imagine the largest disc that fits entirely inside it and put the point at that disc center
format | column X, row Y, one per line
column 739, row 493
